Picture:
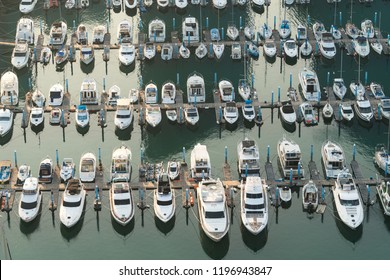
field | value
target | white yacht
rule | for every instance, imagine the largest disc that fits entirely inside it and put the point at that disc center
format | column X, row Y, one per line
column 230, row 112
column 30, row 200
column 191, row 115
column 6, row 121
column 151, row 93
column 25, row 31
column 87, row 167
column 67, row 169
column 377, row 90
column 327, row 46
column 9, row 92
column 383, row 190
column 55, row 116
column 70, row 4
column 248, row 158
column 361, row 46
column 171, row 115
column 200, row 162
column 311, row 89
column 285, row 194
column 218, row 49
column 153, row 115
column 318, row 29
column 168, row 93
column 290, row 48
column 385, row 108
column 190, row 28
column 363, row 109
column 150, row 50
column 347, row 112
column 173, row 169
column 20, row 55
column 305, row 49
column 121, row 203
column 120, row 164
column 196, row 88
column 269, row 48
column 327, row 111
column 163, row 3
column 250, row 32
column 38, row 98
column 24, row 172
column 166, row 52
column 98, row 34
column 376, row 46
column 88, row 92
column 219, row 4
column 368, row 29
column 27, row 6
column 124, row 31
column 310, row 196
column 248, row 111
column 36, row 116
column 181, row 4
column 232, row 32
column 285, row 30
column 339, row 88
column 81, row 33
column 133, row 95
column 123, row 113
column 333, row 159
column 201, row 51
column 226, row 90
column 45, row 174
column 56, row 95
column 288, row 115
column 164, row 199
column 114, row 93
column 184, row 51
column 382, row 158
column 46, row 54
column 290, row 158
column 82, row 116
column 301, row 33
column 357, row 88
column 72, row 203
column 347, row 200
column 265, row 31
column 244, row 89
column 213, row 215
column 126, row 53
column 351, row 30
column 157, row 31
column 87, row 54
column 58, row 33
column 61, row 56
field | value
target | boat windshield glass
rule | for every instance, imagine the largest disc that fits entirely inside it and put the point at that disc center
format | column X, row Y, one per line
column 55, row 94
column 329, row 49
column 254, row 206
column 192, row 113
column 4, row 119
column 26, row 2
column 87, row 165
column 214, row 215
column 71, row 203
column 254, row 195
column 336, row 164
column 20, row 54
column 365, row 110
column 347, row 111
column 119, row 165
column 82, row 117
column 28, row 205
column 349, row 202
column 164, row 203
column 36, row 116
column 122, row 201
column 123, row 116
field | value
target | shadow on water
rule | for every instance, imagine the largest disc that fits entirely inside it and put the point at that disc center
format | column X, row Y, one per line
column 167, row 227
column 258, row 9
column 215, row 250
column 231, row 127
column 87, row 68
column 285, row 205
column 82, row 130
column 254, row 242
column 127, row 69
column 6, row 138
column 270, row 59
column 154, row 130
column 248, row 124
column 30, row 227
column 70, row 233
column 352, row 235
column 290, row 60
column 117, row 9
column 124, row 134
column 288, row 127
column 181, row 12
column 130, row 12
column 123, row 231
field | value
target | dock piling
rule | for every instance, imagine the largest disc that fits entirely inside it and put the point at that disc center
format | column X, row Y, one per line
column 100, row 159
column 246, row 170
column 268, row 153
column 278, row 94
column 290, row 80
column 365, row 78
column 231, row 197
column 104, row 84
column 274, row 22
column 15, row 159
column 29, row 84
column 184, row 154
column 308, row 20
column 299, row 170
column 311, row 152
column 40, row 26
column 368, row 194
column 142, row 155
column 323, row 194
column 207, row 22
column 220, row 115
column 253, row 80
column 226, row 154
column 379, row 112
column 341, row 19
column 354, row 152
column 375, row 18
column 291, row 176
column 327, row 79
column 57, row 158
column 181, row 115
column 215, row 79
column 187, row 205
column 97, row 203
column 276, row 197
column 52, row 201
column 272, row 99
column 177, row 78
column 174, row 23
column 240, row 22
column 386, row 168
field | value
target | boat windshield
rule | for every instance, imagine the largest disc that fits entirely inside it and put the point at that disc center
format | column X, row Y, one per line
column 123, row 116
column 55, row 94
column 20, row 54
column 119, row 165
column 254, row 206
column 82, row 117
column 87, row 165
column 164, row 203
column 172, row 169
column 71, row 203
column 192, row 114
column 28, row 205
column 365, row 110
column 26, row 2
column 349, row 202
column 36, row 116
column 336, row 165
column 4, row 119
column 329, row 49
column 122, row 201
column 254, row 195
column 347, row 111
column 214, row 215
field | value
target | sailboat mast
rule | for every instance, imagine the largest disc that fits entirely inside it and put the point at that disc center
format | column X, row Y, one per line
column 341, row 63
column 335, row 14
column 351, row 11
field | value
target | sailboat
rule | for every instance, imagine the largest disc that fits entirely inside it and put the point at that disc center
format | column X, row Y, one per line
column 201, row 50
column 335, row 32
column 339, row 88
column 357, row 87
column 243, row 87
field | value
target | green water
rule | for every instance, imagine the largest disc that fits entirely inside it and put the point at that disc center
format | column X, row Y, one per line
column 291, row 233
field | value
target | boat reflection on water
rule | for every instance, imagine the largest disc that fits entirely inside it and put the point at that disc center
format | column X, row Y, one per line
column 254, row 242
column 215, row 250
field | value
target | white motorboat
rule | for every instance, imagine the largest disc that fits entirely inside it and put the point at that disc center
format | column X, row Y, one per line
column 226, row 90
column 20, row 55
column 219, row 4
column 117, row 4
column 173, row 169
column 215, row 35
column 151, row 93
column 191, row 115
column 244, row 89
column 82, row 116
column 9, row 89
column 87, row 54
column 25, row 31
column 120, row 165
column 58, row 33
column 327, row 111
column 363, row 109
column 269, row 48
column 72, row 203
column 383, row 190
column 368, row 29
column 377, row 90
column 290, row 158
column 87, row 167
column 5, row 172
column 357, row 88
column 230, row 112
column 61, row 56
column 308, row 113
column 6, row 121
column 38, row 98
column 232, row 32
column 382, row 158
column 265, row 31
column 218, row 48
column 131, row 4
column 318, row 29
column 284, row 30
column 190, row 29
column 288, row 115
column 339, row 88
column 126, row 53
column 123, row 113
column 121, row 203
column 376, row 46
column 181, row 4
column 301, row 33
column 305, row 49
column 168, row 93
column 258, row 3
column 254, row 204
column 114, row 93
column 351, row 30
column 162, row 3
column 252, row 50
column 347, row 200
column 171, row 115
column 88, row 92
column 157, row 31
column 327, row 46
column 213, row 215
column 310, row 85
column 150, row 50
column 285, row 194
column 201, row 51
column 148, row 3
column 347, row 112
column 310, row 196
column 248, row 111
column 24, row 172
column 361, row 46
column 196, row 88
column 45, row 55
column 248, row 162
column 184, row 51
column 84, row 3
column 290, row 48
column 45, row 174
column 81, row 33
column 250, row 32
column 333, row 159
column 56, row 95
column 37, row 116
column 133, row 95
column 164, row 199
column 55, row 116
column 98, row 34
column 166, row 52
column 385, row 108
column 153, row 115
column 200, row 162
column 236, row 51
column 30, row 200
column 27, row 6
column 124, row 32
column 67, row 169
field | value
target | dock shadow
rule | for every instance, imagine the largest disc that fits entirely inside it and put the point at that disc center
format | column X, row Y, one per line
column 123, row 231
column 167, row 227
column 215, row 250
column 258, row 9
column 254, row 242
